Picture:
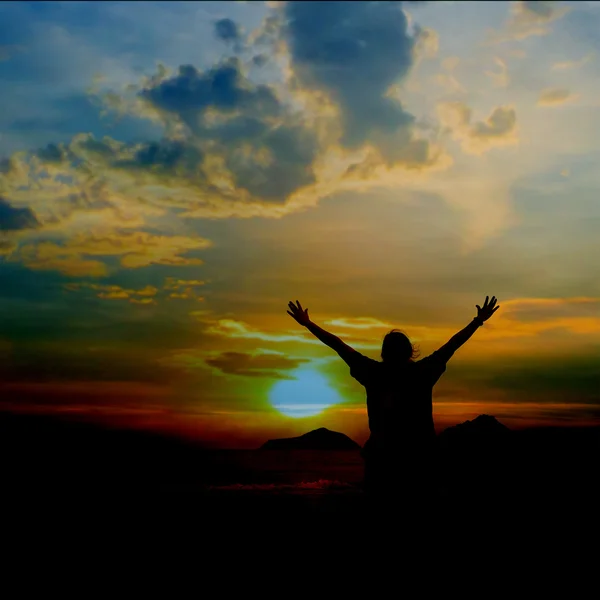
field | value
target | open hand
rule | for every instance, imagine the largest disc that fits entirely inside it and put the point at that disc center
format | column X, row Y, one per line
column 488, row 309
column 298, row 313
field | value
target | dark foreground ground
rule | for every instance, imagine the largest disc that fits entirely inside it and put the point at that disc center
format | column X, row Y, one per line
column 132, row 492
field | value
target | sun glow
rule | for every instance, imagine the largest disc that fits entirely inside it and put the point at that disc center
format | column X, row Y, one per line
column 308, row 394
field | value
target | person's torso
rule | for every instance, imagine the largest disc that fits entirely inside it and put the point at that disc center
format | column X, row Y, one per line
column 399, row 407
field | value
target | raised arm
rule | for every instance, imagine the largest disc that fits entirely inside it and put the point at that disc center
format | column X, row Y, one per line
column 456, row 341
column 300, row 315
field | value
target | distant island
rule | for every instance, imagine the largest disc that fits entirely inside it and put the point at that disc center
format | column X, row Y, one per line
column 318, row 439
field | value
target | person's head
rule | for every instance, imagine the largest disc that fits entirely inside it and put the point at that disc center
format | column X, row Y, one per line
column 397, row 348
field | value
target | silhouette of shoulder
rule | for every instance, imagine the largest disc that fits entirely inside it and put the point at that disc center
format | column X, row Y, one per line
column 368, row 371
column 362, row 368
column 433, row 366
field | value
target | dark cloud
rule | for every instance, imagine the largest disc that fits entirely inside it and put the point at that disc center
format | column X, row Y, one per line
column 267, row 152
column 575, row 379
column 15, row 219
column 569, row 379
column 52, row 153
column 260, row 60
column 291, row 153
column 166, row 156
column 227, row 30
column 5, row 166
column 255, row 365
column 223, row 87
column 540, row 8
column 354, row 51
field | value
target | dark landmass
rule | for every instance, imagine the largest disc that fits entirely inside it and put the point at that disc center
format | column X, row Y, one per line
column 484, row 427
column 319, row 439
column 71, row 473
column 551, row 465
column 51, row 453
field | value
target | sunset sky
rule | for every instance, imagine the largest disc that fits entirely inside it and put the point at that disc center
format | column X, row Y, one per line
column 172, row 174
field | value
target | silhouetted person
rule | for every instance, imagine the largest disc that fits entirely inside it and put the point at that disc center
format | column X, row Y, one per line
column 400, row 454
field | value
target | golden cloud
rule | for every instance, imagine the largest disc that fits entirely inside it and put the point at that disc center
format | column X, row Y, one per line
column 256, row 364
column 139, row 249
column 183, row 288
column 499, row 78
column 7, row 244
column 233, row 329
column 520, row 317
column 555, row 97
column 116, row 292
column 571, row 64
column 359, row 323
column 523, row 317
column 41, row 259
column 427, row 43
column 499, row 129
column 447, row 78
column 528, row 18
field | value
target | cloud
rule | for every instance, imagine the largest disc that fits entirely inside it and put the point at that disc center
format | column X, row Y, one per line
column 260, row 60
column 354, row 53
column 172, row 283
column 529, row 18
column 62, row 182
column 533, row 308
column 360, row 323
column 116, row 292
column 529, row 317
column 555, row 97
column 426, row 42
column 141, row 301
column 183, row 288
column 236, row 151
column 571, row 64
column 135, row 250
column 231, row 328
column 39, row 259
column 573, row 378
column 16, row 219
column 256, row 364
column 227, row 30
column 263, row 149
column 7, row 246
column 499, row 129
column 499, row 79
column 447, row 78
column 232, row 147
column 417, row 333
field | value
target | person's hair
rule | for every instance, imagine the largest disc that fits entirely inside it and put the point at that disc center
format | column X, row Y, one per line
column 397, row 347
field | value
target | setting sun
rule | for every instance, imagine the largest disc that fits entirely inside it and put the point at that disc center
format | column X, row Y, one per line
column 308, row 394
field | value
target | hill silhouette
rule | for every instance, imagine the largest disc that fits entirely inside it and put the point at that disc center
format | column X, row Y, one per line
column 481, row 425
column 318, row 439
column 484, row 430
